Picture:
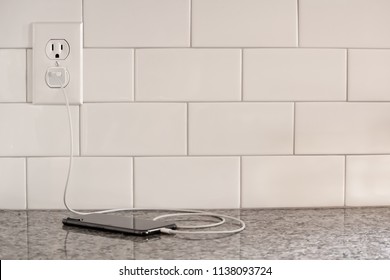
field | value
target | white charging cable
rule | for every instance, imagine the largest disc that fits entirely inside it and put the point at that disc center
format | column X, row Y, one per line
column 220, row 217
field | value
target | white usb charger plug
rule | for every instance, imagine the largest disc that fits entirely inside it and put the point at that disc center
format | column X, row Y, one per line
column 57, row 76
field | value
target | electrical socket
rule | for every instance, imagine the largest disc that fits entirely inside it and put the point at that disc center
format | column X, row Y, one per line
column 57, row 48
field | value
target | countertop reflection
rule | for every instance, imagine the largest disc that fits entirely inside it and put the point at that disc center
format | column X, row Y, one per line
column 354, row 233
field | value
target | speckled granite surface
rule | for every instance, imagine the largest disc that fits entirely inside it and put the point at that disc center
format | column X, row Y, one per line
column 357, row 233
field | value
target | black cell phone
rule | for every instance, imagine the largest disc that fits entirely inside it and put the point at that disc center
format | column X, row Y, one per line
column 128, row 225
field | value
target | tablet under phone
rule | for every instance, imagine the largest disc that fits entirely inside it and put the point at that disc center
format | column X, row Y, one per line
column 116, row 223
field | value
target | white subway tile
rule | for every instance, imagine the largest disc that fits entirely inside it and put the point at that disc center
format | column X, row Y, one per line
column 12, row 75
column 240, row 128
column 244, row 23
column 16, row 17
column 96, row 183
column 342, row 128
column 368, row 75
column 136, row 23
column 108, row 75
column 293, row 181
column 368, row 179
column 12, row 183
column 133, row 129
column 294, row 74
column 344, row 23
column 188, row 75
column 34, row 130
column 187, row 182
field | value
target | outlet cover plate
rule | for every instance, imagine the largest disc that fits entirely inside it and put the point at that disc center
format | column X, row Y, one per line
column 42, row 34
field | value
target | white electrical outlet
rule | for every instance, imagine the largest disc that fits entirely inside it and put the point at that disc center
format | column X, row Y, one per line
column 57, row 49
column 57, row 58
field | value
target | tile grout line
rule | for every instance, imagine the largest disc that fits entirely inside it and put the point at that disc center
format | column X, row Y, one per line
column 221, row 47
column 80, row 129
column 298, row 43
column 294, row 126
column 27, row 77
column 346, row 76
column 82, row 20
column 190, row 23
column 225, row 101
column 201, row 155
column 134, row 75
column 157, row 47
column 188, row 129
column 347, row 100
column 211, row 102
column 242, row 75
column 80, row 125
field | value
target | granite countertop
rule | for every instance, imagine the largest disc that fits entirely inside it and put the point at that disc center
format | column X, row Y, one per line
column 355, row 233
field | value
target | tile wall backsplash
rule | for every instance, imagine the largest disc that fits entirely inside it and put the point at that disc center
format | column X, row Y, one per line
column 294, row 74
column 136, row 23
column 203, row 104
column 12, row 75
column 133, row 129
column 37, row 130
column 342, row 128
column 368, row 75
column 300, row 181
column 244, row 23
column 344, row 23
column 16, row 17
column 240, row 128
column 96, row 182
column 188, row 74
column 12, row 183
column 187, row 182
column 113, row 82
